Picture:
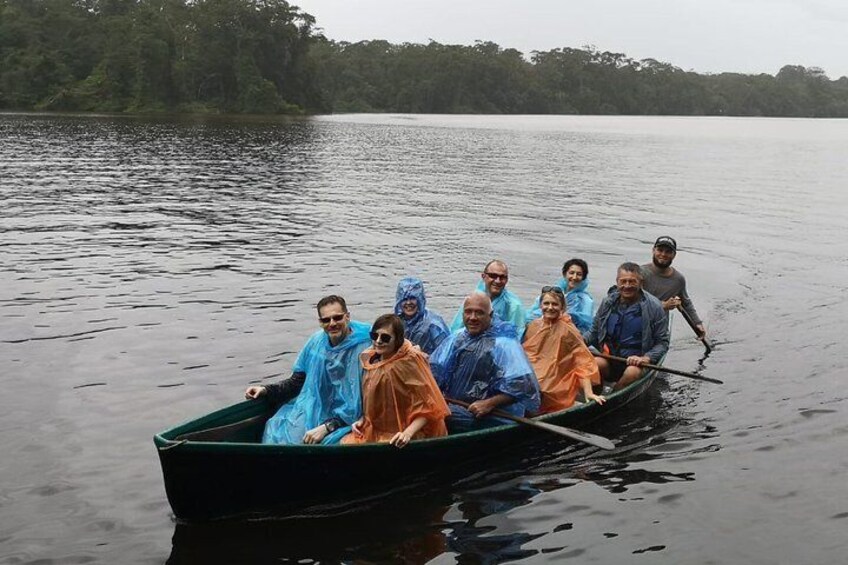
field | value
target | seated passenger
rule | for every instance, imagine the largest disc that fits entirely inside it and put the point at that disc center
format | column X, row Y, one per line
column 322, row 396
column 485, row 366
column 629, row 323
column 561, row 360
column 400, row 399
column 579, row 304
column 505, row 304
column 423, row 327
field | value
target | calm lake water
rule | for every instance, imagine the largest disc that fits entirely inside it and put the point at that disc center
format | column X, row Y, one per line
column 152, row 269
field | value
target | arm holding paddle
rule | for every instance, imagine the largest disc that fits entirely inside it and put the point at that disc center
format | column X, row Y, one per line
column 481, row 408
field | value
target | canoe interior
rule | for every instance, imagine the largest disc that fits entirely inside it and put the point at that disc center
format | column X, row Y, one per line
column 215, row 466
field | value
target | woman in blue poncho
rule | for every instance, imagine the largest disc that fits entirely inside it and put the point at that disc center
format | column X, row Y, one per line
column 579, row 304
column 325, row 382
column 422, row 327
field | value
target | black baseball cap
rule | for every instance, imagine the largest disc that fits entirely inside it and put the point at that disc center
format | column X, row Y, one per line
column 666, row 241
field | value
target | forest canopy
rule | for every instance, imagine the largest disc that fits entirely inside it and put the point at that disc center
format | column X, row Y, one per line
column 267, row 56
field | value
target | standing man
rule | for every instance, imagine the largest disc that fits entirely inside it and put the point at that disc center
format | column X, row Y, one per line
column 485, row 366
column 667, row 283
column 505, row 304
column 323, row 393
column 629, row 323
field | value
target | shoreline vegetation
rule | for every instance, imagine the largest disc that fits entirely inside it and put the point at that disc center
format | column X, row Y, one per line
column 261, row 57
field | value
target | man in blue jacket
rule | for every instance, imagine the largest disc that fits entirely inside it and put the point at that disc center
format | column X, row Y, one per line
column 630, row 323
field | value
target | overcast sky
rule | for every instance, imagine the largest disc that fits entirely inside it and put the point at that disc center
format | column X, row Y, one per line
column 749, row 36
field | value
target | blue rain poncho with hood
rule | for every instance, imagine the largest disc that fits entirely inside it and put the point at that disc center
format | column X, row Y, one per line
column 331, row 389
column 426, row 329
column 471, row 368
column 578, row 302
column 507, row 306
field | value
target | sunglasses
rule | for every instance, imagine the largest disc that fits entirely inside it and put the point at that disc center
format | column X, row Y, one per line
column 334, row 318
column 496, row 276
column 556, row 289
column 381, row 338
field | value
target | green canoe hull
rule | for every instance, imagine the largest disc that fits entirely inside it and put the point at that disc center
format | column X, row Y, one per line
column 214, row 467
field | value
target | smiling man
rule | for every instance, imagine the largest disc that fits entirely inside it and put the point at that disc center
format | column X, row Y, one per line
column 505, row 304
column 667, row 283
column 484, row 365
column 631, row 323
column 322, row 397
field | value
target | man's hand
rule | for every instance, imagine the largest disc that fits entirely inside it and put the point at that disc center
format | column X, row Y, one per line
column 254, row 392
column 638, row 361
column 671, row 303
column 702, row 331
column 480, row 408
column 316, row 435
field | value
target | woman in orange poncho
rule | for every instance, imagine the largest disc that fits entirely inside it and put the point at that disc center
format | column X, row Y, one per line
column 400, row 398
column 562, row 362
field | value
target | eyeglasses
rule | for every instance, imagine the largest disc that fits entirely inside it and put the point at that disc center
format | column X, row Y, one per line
column 556, row 289
column 381, row 338
column 334, row 318
column 496, row 276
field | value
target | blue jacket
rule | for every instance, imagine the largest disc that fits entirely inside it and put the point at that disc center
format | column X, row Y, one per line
column 426, row 329
column 654, row 327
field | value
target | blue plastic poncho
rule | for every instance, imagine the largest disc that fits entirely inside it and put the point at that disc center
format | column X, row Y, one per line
column 473, row 368
column 426, row 329
column 332, row 388
column 578, row 302
column 507, row 307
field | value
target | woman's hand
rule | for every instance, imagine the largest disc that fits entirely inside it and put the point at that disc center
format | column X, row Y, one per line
column 400, row 439
column 356, row 427
column 596, row 397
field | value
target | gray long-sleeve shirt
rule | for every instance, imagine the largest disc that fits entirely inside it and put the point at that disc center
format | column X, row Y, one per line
column 665, row 287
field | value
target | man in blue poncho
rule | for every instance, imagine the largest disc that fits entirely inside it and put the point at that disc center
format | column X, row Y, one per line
column 423, row 327
column 322, row 397
column 505, row 304
column 485, row 366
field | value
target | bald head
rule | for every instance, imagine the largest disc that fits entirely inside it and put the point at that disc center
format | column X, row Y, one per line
column 495, row 276
column 477, row 313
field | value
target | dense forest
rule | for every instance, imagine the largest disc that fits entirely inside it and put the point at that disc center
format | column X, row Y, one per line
column 267, row 56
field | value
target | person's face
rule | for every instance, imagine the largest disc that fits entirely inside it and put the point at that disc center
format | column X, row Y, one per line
column 663, row 256
column 409, row 308
column 551, row 306
column 334, row 320
column 476, row 315
column 628, row 285
column 385, row 342
column 574, row 276
column 495, row 278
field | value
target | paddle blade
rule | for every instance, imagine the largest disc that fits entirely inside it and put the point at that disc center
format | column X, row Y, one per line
column 591, row 439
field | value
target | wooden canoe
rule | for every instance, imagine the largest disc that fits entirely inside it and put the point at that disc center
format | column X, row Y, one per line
column 215, row 466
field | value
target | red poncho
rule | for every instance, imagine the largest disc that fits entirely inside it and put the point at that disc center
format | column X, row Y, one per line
column 560, row 359
column 397, row 391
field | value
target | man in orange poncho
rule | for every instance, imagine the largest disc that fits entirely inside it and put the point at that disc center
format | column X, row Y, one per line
column 561, row 360
column 400, row 398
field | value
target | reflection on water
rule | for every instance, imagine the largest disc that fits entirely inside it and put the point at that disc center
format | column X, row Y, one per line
column 152, row 268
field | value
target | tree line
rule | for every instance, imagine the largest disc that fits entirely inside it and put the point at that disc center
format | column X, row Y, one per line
column 267, row 56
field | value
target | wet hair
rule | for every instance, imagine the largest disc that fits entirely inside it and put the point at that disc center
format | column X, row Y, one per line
column 560, row 296
column 394, row 322
column 630, row 267
column 580, row 263
column 332, row 299
column 493, row 262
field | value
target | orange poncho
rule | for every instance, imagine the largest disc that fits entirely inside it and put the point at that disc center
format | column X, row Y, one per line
column 397, row 391
column 560, row 358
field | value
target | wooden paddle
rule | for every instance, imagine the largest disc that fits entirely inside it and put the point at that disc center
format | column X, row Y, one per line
column 661, row 368
column 591, row 439
column 707, row 345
